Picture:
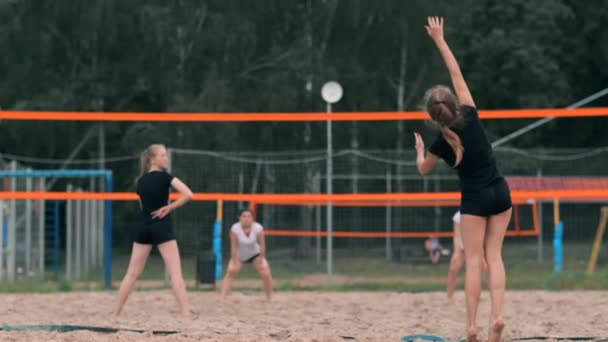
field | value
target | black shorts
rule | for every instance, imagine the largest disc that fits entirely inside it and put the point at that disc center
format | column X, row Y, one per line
column 154, row 233
column 491, row 200
column 250, row 260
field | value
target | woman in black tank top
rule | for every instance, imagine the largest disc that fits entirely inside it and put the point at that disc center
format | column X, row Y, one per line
column 153, row 188
column 486, row 200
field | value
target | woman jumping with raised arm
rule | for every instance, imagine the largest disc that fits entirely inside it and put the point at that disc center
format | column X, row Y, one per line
column 486, row 200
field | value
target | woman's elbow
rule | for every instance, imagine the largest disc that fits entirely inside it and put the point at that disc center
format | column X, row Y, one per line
column 188, row 195
column 423, row 171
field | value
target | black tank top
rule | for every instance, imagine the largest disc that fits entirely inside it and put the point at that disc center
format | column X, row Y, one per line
column 153, row 189
column 478, row 168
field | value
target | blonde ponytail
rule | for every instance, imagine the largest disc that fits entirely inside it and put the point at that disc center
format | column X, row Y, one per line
column 145, row 158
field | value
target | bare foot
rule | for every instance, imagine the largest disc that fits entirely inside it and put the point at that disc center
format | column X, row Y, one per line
column 496, row 329
column 472, row 335
column 190, row 314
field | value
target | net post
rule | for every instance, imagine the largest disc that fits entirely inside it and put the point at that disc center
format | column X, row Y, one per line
column 329, row 191
column 558, row 234
column 597, row 244
column 217, row 239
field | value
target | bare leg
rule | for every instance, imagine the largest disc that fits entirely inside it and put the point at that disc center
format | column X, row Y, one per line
column 234, row 267
column 496, row 229
column 455, row 265
column 263, row 268
column 473, row 233
column 139, row 256
column 170, row 253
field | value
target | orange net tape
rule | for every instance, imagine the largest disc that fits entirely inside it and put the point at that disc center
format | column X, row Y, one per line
column 250, row 117
column 585, row 194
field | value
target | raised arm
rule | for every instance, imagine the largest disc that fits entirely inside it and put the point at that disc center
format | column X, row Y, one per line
column 425, row 163
column 435, row 31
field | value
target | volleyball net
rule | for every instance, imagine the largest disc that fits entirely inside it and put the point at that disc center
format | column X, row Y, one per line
column 382, row 209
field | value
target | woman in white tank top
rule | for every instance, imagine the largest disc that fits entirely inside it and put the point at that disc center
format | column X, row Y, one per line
column 247, row 245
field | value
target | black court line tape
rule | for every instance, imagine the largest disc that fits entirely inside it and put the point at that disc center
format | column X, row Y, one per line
column 70, row 328
column 424, row 337
column 567, row 338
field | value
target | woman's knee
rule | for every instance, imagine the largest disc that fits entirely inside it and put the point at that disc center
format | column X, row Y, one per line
column 233, row 270
column 455, row 267
column 263, row 268
column 475, row 260
column 135, row 271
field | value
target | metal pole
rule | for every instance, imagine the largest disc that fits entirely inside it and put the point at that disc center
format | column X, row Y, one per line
column 241, row 187
column 86, row 234
column 56, row 239
column 100, row 205
column 78, row 237
column 12, row 242
column 28, row 227
column 317, row 183
column 3, row 228
column 41, row 227
column 329, row 203
column 388, row 221
column 100, row 227
column 100, row 223
column 543, row 121
column 102, row 146
column 93, row 228
column 539, row 238
column 107, row 238
column 69, row 219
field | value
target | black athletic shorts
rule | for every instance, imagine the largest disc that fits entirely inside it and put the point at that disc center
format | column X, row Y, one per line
column 154, row 233
column 488, row 201
column 250, row 260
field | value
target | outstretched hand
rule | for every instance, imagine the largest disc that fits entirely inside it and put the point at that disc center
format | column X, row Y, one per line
column 435, row 28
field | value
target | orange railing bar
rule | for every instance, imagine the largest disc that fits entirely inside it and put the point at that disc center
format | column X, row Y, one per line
column 349, row 234
column 391, row 203
column 250, row 117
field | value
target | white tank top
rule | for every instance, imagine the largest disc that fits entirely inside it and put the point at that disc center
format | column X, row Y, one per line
column 248, row 244
column 456, row 217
